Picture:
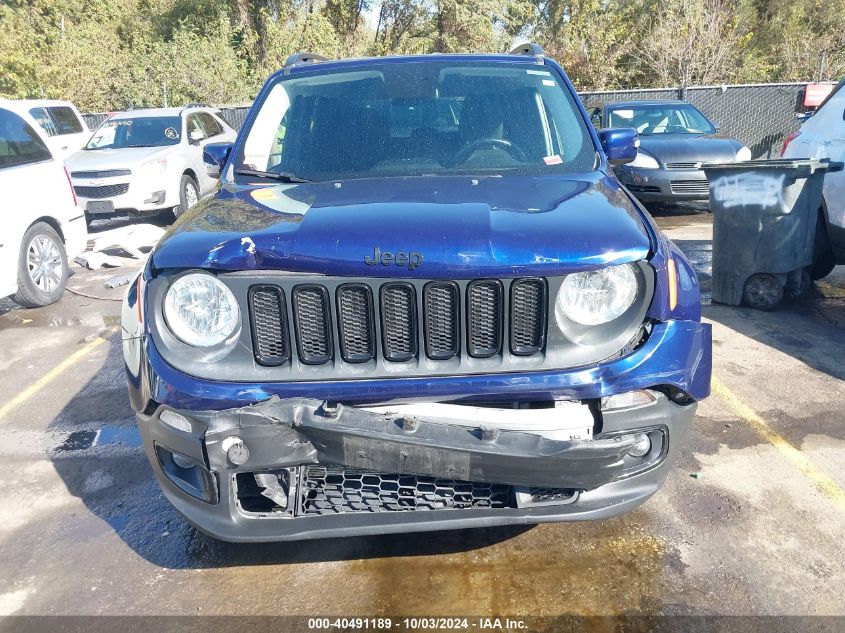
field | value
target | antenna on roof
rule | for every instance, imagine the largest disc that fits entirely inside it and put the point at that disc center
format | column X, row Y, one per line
column 529, row 48
column 298, row 59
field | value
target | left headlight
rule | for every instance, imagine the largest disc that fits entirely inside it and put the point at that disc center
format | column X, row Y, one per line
column 743, row 154
column 200, row 310
column 597, row 296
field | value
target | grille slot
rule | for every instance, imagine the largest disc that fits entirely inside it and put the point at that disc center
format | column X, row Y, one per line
column 528, row 316
column 441, row 307
column 313, row 324
column 683, row 165
column 690, row 186
column 399, row 321
column 484, row 318
column 340, row 490
column 267, row 312
column 108, row 173
column 355, row 323
column 106, row 191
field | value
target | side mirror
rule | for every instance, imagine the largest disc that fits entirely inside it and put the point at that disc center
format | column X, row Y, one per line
column 196, row 136
column 214, row 156
column 620, row 144
column 803, row 116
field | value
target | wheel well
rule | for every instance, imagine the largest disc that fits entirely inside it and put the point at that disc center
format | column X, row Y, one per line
column 192, row 174
column 50, row 221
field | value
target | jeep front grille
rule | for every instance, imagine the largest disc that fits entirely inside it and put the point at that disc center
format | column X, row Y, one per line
column 355, row 323
column 441, row 301
column 484, row 318
column 269, row 325
column 339, row 490
column 312, row 319
column 398, row 321
column 528, row 316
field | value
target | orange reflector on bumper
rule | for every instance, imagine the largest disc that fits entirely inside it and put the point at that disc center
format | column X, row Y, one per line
column 673, row 284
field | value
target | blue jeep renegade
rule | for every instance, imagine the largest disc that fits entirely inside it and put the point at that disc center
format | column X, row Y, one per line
column 419, row 300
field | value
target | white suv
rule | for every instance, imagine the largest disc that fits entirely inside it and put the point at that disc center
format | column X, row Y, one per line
column 41, row 225
column 60, row 121
column 147, row 161
column 823, row 136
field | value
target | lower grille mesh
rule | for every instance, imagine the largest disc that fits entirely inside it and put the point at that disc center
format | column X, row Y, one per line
column 336, row 490
column 105, row 191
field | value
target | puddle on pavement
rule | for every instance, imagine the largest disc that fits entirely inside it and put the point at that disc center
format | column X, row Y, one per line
column 601, row 568
column 82, row 440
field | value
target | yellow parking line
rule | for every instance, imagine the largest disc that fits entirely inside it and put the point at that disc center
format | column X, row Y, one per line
column 820, row 481
column 54, row 373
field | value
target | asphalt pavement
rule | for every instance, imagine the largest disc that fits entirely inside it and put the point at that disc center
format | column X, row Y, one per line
column 750, row 521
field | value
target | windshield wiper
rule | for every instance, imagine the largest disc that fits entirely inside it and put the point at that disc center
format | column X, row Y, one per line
column 282, row 176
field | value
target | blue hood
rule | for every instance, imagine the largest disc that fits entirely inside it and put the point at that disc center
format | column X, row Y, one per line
column 460, row 226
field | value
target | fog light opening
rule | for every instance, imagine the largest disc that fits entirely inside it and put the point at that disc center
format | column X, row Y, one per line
column 642, row 446
column 181, row 461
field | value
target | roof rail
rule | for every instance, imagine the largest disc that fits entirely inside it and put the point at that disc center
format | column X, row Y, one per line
column 529, row 48
column 297, row 59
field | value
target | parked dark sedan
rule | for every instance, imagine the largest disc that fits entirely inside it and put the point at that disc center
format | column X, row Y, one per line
column 675, row 138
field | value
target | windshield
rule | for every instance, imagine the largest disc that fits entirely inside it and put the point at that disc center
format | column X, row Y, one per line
column 662, row 119
column 418, row 118
column 142, row 131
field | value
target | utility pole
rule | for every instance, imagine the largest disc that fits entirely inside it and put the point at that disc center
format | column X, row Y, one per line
column 164, row 90
column 821, row 65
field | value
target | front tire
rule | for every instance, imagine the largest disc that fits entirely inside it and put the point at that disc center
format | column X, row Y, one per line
column 189, row 194
column 42, row 267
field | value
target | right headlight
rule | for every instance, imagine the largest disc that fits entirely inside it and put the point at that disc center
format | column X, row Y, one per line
column 597, row 296
column 200, row 310
column 644, row 161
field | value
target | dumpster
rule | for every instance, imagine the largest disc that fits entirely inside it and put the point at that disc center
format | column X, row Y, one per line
column 764, row 228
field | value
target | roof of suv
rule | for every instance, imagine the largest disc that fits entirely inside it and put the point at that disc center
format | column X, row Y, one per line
column 175, row 111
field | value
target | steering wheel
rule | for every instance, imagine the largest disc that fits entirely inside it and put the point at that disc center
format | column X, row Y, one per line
column 497, row 143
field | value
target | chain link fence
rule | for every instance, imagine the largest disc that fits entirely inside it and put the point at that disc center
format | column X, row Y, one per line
column 758, row 115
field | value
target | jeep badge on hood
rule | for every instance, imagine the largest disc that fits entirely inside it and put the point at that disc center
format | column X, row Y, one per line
column 411, row 259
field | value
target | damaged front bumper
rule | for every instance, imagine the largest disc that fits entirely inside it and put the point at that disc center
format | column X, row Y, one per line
column 303, row 468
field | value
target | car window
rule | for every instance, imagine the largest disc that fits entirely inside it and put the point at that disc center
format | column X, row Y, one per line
column 65, row 120
column 196, row 131
column 661, row 119
column 138, row 131
column 19, row 143
column 44, row 120
column 210, row 124
column 426, row 118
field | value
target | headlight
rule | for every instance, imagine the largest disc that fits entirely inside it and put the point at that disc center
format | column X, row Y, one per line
column 597, row 296
column 644, row 161
column 200, row 310
column 743, row 154
column 157, row 166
